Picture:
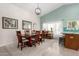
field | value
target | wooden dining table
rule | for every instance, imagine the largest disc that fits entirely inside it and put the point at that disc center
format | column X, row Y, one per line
column 29, row 37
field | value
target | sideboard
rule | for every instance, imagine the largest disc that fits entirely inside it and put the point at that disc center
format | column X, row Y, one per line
column 71, row 41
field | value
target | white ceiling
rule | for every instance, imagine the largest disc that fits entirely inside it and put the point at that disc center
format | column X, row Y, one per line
column 45, row 7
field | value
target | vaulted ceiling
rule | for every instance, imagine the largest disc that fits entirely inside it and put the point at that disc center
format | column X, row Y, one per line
column 45, row 7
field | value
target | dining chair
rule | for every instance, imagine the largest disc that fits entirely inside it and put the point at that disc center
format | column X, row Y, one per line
column 22, row 41
column 44, row 34
column 31, row 38
column 38, row 37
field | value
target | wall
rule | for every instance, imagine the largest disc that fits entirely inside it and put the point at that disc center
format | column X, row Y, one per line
column 70, row 11
column 8, row 36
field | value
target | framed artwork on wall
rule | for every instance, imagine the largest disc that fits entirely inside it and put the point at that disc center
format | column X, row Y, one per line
column 26, row 25
column 9, row 23
column 34, row 25
column 71, row 25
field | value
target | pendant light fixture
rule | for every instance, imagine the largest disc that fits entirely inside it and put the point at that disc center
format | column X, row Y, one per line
column 38, row 10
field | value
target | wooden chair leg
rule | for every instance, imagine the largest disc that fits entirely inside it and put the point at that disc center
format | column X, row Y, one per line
column 35, row 45
column 21, row 46
column 18, row 45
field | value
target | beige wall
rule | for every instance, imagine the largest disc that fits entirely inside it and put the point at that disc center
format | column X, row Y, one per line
column 8, row 36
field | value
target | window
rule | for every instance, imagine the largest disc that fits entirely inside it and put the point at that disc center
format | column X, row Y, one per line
column 56, row 27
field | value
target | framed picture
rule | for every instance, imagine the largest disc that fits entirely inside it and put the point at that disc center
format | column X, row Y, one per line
column 26, row 25
column 34, row 25
column 9, row 23
column 71, row 25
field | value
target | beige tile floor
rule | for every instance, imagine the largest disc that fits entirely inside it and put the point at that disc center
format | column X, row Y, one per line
column 47, row 48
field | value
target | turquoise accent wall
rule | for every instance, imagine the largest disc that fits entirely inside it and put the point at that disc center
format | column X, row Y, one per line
column 69, row 11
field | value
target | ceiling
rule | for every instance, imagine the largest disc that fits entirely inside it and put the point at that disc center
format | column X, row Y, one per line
column 45, row 7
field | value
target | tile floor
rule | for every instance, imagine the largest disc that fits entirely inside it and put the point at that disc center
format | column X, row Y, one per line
column 47, row 48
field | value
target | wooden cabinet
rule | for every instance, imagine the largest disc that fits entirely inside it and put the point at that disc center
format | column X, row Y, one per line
column 72, row 41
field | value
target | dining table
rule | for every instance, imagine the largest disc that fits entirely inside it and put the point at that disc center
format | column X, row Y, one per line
column 30, row 38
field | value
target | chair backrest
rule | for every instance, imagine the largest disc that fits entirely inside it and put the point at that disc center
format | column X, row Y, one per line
column 37, row 35
column 19, row 36
column 43, row 34
column 33, row 31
